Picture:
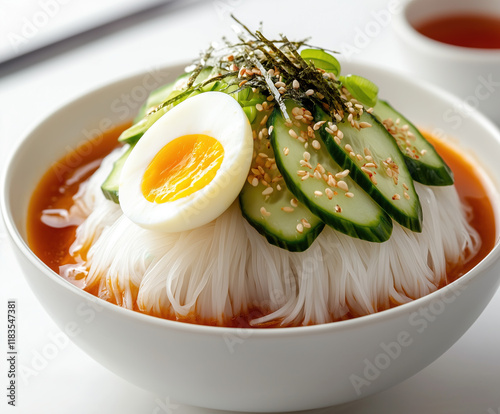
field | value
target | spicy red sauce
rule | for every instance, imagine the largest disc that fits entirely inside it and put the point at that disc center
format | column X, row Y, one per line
column 465, row 30
column 60, row 183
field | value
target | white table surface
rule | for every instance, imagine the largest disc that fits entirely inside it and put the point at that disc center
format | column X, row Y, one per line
column 466, row 379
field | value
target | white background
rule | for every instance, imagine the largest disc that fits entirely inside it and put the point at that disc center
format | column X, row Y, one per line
column 464, row 380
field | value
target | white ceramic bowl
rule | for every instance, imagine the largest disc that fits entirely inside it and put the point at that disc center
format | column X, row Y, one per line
column 470, row 73
column 252, row 370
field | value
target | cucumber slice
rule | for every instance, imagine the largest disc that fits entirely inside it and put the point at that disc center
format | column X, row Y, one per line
column 376, row 164
column 143, row 123
column 424, row 163
column 312, row 175
column 279, row 227
column 155, row 98
column 278, row 216
column 110, row 186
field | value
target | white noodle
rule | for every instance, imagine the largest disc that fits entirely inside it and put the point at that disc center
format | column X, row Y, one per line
column 226, row 268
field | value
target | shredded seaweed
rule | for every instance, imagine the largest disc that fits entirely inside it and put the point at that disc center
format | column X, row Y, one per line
column 258, row 62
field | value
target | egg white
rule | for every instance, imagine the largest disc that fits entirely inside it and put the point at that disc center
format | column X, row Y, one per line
column 211, row 113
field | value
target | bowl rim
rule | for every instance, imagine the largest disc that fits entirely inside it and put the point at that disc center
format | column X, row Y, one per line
column 457, row 53
column 256, row 333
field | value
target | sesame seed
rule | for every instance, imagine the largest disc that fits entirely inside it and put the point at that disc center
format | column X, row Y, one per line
column 306, row 156
column 365, row 125
column 318, row 193
column 270, row 130
column 295, row 84
column 293, row 134
column 317, row 175
column 278, row 187
column 352, row 154
column 286, row 150
column 255, row 182
column 300, row 228
column 264, row 212
column 331, row 181
column 270, row 98
column 370, row 165
column 338, row 209
column 280, row 84
column 329, row 130
column 348, row 148
column 396, row 197
column 373, row 179
column 340, row 134
column 301, row 173
column 329, row 193
column 267, row 191
column 316, row 145
column 259, row 107
column 405, row 186
column 321, row 168
column 359, row 157
column 309, row 92
column 270, row 72
column 369, row 110
column 281, row 90
column 242, row 83
column 287, row 209
column 305, row 177
column 318, row 124
column 336, row 139
column 342, row 174
column 349, row 194
column 342, row 185
column 405, row 194
column 263, row 155
column 264, row 120
column 294, row 202
column 423, row 152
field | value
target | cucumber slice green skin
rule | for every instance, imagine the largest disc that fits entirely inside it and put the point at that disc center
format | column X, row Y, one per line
column 280, row 227
column 423, row 162
column 110, row 186
column 405, row 210
column 358, row 216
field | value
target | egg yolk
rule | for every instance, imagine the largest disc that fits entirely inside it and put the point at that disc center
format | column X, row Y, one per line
column 182, row 167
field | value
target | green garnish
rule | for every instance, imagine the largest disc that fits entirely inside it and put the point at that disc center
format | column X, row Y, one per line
column 364, row 90
column 322, row 60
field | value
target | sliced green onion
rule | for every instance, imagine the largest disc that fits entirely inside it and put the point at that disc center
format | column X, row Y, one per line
column 364, row 90
column 321, row 60
column 250, row 112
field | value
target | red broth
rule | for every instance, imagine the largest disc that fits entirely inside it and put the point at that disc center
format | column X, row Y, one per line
column 59, row 184
column 465, row 30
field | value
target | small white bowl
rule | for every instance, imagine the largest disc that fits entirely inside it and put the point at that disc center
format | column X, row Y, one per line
column 242, row 369
column 472, row 74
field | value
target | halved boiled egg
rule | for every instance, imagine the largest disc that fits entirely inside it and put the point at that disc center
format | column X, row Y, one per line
column 190, row 166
